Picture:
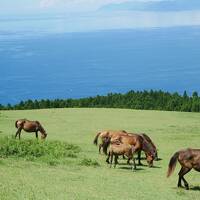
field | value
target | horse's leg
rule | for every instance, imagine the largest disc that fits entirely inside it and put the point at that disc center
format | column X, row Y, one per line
column 139, row 158
column 156, row 157
column 117, row 159
column 107, row 160
column 19, row 135
column 116, row 162
column 124, row 157
column 134, row 150
column 183, row 173
column 179, row 179
column 133, row 165
column 36, row 134
column 111, row 159
column 18, row 132
column 100, row 146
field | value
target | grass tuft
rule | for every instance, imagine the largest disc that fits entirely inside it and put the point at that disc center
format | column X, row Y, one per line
column 50, row 152
column 89, row 162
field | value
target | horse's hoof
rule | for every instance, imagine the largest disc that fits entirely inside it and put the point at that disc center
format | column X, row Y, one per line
column 186, row 187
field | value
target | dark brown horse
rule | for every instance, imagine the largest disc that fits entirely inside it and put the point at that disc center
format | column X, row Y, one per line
column 148, row 139
column 188, row 159
column 116, row 149
column 29, row 126
column 138, row 143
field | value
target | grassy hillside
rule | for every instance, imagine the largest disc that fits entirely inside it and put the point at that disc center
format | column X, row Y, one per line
column 73, row 179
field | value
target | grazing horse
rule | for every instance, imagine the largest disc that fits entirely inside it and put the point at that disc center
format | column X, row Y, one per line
column 117, row 149
column 188, row 159
column 148, row 139
column 29, row 126
column 104, row 136
column 138, row 143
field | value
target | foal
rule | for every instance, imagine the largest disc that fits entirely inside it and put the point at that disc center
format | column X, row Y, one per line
column 189, row 159
column 117, row 149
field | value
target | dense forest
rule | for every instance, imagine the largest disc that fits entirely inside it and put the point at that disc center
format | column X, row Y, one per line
column 147, row 100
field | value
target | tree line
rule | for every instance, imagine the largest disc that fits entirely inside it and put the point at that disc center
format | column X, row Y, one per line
column 143, row 100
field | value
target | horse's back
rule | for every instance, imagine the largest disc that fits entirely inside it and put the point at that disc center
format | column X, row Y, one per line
column 111, row 133
column 27, row 125
column 132, row 139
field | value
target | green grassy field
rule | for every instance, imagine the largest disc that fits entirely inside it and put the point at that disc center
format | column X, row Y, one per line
column 70, row 180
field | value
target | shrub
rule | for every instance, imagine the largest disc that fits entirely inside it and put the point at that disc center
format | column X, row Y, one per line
column 48, row 151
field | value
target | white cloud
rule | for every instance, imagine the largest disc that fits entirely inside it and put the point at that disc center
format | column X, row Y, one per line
column 85, row 3
column 47, row 3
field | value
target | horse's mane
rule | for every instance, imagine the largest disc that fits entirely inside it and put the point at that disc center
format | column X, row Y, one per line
column 41, row 127
column 148, row 147
column 148, row 139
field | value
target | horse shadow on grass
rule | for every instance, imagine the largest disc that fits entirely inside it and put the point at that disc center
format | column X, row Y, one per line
column 195, row 188
column 143, row 158
column 155, row 167
column 158, row 159
column 140, row 166
column 130, row 168
column 192, row 188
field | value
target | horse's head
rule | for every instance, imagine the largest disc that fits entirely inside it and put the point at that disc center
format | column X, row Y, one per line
column 150, row 152
column 43, row 132
column 150, row 159
column 43, row 135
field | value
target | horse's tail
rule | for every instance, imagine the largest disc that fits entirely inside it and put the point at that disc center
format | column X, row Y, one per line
column 123, row 131
column 96, row 138
column 20, row 123
column 172, row 164
column 16, row 124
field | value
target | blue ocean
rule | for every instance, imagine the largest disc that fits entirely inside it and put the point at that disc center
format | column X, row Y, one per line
column 74, row 65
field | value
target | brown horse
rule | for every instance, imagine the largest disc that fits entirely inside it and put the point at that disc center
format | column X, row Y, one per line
column 139, row 144
column 29, row 126
column 148, row 139
column 104, row 136
column 117, row 149
column 189, row 159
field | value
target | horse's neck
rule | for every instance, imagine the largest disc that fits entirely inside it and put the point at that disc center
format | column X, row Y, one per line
column 146, row 147
column 42, row 129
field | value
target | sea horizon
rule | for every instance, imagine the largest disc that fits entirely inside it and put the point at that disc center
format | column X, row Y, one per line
column 83, row 64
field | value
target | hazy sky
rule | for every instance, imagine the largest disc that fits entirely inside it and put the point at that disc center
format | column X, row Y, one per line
column 34, row 6
column 86, row 15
